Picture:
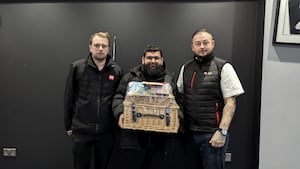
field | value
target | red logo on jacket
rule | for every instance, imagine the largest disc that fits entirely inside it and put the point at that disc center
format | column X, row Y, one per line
column 111, row 77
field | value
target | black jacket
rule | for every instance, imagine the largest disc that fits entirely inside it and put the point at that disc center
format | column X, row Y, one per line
column 88, row 96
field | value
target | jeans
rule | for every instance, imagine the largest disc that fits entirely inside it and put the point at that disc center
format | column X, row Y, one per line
column 201, row 155
column 83, row 146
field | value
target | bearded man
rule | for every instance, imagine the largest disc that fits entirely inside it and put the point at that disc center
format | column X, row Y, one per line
column 142, row 149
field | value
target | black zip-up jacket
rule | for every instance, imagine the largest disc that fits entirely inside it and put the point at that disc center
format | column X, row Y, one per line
column 88, row 96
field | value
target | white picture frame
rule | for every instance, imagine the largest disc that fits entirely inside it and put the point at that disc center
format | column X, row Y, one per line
column 282, row 27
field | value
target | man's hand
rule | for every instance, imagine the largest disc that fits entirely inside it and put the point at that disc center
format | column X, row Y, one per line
column 178, row 124
column 121, row 120
column 69, row 132
column 217, row 140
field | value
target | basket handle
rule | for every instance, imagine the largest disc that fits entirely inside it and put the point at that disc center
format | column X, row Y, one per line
column 133, row 111
column 161, row 116
column 168, row 117
column 136, row 115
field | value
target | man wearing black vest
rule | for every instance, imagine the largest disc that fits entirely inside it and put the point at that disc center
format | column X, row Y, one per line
column 209, row 87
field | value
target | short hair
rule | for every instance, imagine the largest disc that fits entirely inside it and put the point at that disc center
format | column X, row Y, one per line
column 152, row 48
column 202, row 30
column 100, row 34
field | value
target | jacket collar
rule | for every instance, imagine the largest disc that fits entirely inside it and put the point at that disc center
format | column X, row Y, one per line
column 91, row 62
column 205, row 59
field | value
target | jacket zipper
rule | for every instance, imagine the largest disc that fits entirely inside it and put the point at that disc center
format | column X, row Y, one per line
column 193, row 80
column 98, row 102
column 192, row 85
column 98, row 109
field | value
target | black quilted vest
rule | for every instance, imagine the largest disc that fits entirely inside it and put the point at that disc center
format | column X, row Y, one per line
column 203, row 100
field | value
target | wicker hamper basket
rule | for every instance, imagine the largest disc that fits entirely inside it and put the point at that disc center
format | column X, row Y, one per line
column 151, row 112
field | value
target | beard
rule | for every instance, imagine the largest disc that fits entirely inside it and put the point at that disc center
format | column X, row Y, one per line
column 153, row 70
column 203, row 54
column 203, row 58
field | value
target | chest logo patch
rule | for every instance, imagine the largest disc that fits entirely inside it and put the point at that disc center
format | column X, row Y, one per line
column 111, row 77
column 207, row 73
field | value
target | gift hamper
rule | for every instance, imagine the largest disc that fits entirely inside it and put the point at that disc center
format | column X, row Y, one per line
column 150, row 106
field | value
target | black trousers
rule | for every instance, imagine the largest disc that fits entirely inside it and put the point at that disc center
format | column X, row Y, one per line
column 84, row 146
column 149, row 156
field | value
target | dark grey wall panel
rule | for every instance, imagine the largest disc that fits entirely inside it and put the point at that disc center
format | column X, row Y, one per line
column 38, row 41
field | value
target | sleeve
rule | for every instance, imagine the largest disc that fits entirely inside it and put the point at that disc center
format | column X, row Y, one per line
column 69, row 98
column 177, row 98
column 119, row 72
column 180, row 80
column 230, row 83
column 117, row 104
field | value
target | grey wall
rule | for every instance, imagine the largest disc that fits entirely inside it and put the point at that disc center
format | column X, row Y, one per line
column 280, row 100
column 38, row 41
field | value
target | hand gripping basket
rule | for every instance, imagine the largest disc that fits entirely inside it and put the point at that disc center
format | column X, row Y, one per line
column 150, row 106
